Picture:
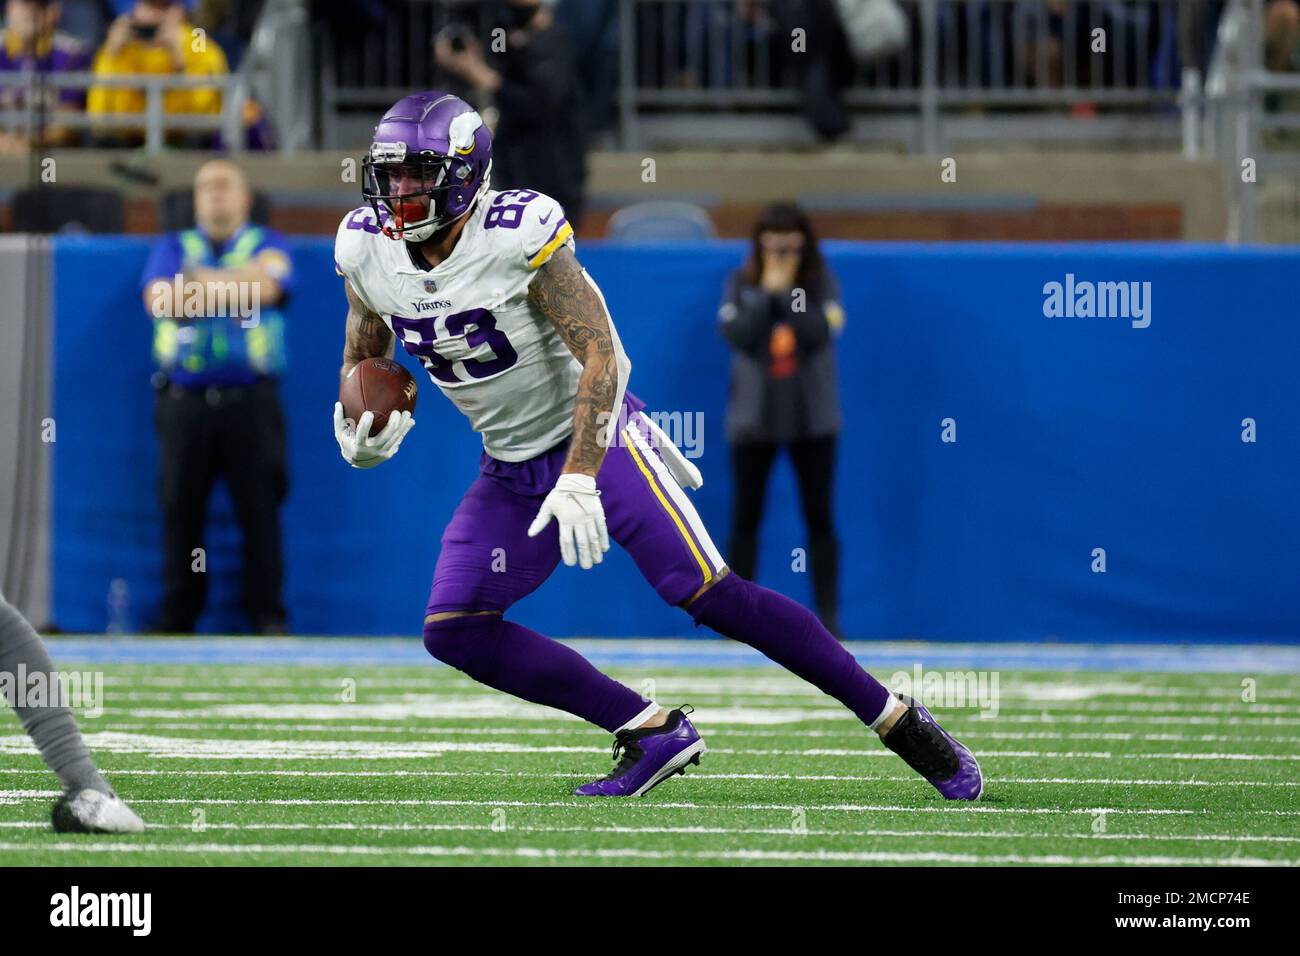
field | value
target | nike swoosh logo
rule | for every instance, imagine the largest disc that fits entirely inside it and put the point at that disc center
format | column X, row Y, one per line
column 546, row 217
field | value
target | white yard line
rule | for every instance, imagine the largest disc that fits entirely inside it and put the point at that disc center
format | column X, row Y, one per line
column 543, row 853
column 720, row 708
column 953, row 807
column 710, row 718
column 201, row 748
column 18, row 795
column 705, row 831
column 722, row 688
column 847, row 734
column 1046, row 718
column 698, row 774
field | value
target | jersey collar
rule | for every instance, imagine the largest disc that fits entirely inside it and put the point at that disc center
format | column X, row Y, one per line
column 404, row 261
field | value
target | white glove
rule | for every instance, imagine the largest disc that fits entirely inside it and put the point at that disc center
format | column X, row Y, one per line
column 574, row 503
column 359, row 449
column 679, row 466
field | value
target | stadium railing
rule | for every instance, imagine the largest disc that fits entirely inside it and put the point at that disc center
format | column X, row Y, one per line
column 155, row 121
column 718, row 72
column 273, row 71
column 985, row 70
column 1252, row 116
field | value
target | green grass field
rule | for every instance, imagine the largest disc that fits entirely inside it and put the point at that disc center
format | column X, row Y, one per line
column 267, row 764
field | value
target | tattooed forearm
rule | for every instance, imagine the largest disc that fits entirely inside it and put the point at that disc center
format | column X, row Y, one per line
column 562, row 293
column 366, row 335
column 592, row 409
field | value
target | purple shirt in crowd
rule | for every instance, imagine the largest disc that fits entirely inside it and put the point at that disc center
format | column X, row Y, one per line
column 60, row 54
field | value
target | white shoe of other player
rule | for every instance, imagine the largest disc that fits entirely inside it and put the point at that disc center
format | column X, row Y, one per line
column 89, row 811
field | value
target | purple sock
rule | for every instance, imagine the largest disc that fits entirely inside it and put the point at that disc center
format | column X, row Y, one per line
column 791, row 635
column 523, row 663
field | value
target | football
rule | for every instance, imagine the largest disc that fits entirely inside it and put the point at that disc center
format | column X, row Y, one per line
column 377, row 385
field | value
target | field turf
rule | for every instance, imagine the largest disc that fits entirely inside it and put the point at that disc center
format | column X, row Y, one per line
column 343, row 759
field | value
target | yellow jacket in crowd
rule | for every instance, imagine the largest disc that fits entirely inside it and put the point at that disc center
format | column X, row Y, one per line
column 201, row 57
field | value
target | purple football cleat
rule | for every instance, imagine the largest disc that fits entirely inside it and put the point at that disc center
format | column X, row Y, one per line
column 934, row 753
column 650, row 757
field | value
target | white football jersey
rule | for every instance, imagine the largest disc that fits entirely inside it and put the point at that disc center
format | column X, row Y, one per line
column 499, row 359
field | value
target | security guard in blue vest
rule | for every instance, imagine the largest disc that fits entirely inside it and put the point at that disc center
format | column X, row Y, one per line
column 214, row 294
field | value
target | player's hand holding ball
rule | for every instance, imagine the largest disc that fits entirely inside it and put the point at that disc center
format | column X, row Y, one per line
column 362, row 450
column 574, row 503
column 373, row 413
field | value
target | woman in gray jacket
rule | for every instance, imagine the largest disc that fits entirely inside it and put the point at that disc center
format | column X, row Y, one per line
column 780, row 315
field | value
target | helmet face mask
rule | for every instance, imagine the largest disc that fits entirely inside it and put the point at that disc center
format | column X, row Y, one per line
column 413, row 193
column 430, row 161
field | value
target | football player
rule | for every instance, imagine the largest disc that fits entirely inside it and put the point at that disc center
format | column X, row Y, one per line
column 88, row 804
column 484, row 288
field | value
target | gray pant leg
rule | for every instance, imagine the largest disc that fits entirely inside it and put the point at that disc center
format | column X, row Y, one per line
column 52, row 727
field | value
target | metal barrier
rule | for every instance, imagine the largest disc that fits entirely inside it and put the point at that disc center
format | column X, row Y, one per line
column 154, row 121
column 278, row 64
column 276, row 69
column 379, row 62
column 709, row 72
column 715, row 70
column 1253, row 138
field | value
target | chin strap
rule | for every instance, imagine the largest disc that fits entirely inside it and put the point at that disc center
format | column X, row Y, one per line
column 401, row 231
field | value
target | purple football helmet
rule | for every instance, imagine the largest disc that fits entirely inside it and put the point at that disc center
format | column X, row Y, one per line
column 433, row 148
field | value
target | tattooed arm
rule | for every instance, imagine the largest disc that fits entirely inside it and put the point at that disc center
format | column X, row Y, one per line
column 564, row 293
column 366, row 335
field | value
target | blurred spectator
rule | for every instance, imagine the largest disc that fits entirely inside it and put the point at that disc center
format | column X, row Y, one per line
column 825, row 67
column 156, row 38
column 218, row 411
column 1133, row 34
column 1281, row 35
column 232, row 22
column 32, row 43
column 84, row 20
column 780, row 314
column 540, row 138
column 593, row 27
column 874, row 29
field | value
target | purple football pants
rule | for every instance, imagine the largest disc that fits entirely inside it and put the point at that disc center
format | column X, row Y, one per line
column 488, row 562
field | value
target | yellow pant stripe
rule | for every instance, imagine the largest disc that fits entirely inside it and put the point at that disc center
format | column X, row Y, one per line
column 672, row 512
